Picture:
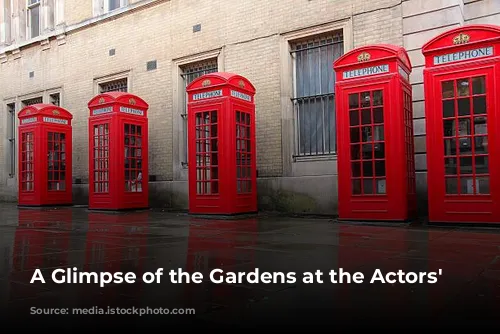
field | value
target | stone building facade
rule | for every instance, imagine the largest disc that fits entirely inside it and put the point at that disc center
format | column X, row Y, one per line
column 65, row 52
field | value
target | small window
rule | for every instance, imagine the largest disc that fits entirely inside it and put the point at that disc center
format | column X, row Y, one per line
column 29, row 102
column 189, row 73
column 55, row 99
column 119, row 85
column 34, row 19
column 111, row 5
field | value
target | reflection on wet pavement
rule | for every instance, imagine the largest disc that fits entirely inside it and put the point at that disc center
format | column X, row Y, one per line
column 140, row 242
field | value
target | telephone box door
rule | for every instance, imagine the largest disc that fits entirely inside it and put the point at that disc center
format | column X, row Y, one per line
column 367, row 188
column 464, row 152
column 205, row 122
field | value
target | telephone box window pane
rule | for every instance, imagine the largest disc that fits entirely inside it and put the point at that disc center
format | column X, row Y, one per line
column 450, row 165
column 466, row 149
column 28, row 162
column 353, row 101
column 483, row 185
column 378, row 115
column 371, row 168
column 133, row 158
column 356, row 187
column 243, row 155
column 479, row 105
column 56, row 160
column 451, row 184
column 447, row 89
column 448, row 108
column 464, row 107
column 354, row 118
column 101, row 158
column 463, row 87
column 207, row 145
column 479, row 85
column 378, row 98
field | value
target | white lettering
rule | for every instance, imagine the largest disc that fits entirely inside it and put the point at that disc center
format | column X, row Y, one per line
column 29, row 120
column 240, row 95
column 463, row 55
column 102, row 111
column 37, row 276
column 132, row 111
column 207, row 95
column 55, row 120
column 361, row 72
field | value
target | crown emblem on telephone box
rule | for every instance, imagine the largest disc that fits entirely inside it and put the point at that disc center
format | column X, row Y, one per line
column 461, row 39
column 206, row 83
column 131, row 101
column 241, row 83
column 56, row 112
column 101, row 100
column 365, row 56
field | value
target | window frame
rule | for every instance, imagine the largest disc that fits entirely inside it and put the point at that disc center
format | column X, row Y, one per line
column 29, row 26
column 333, row 39
column 184, row 119
column 105, row 6
column 11, row 136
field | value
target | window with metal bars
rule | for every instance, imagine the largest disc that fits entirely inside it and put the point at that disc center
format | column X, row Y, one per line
column 119, row 85
column 314, row 94
column 55, row 99
column 11, row 137
column 191, row 72
column 29, row 102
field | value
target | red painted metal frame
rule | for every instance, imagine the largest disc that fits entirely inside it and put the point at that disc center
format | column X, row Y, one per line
column 112, row 186
column 472, row 204
column 38, row 125
column 362, row 194
column 221, row 112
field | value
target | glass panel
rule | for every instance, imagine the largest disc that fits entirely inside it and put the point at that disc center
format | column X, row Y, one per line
column 356, row 187
column 463, row 107
column 447, row 89
column 353, row 101
column 381, row 186
column 463, row 87
column 467, row 185
column 479, row 85
column 483, row 185
column 378, row 98
column 451, row 185
column 354, row 118
column 479, row 105
column 101, row 158
column 378, row 115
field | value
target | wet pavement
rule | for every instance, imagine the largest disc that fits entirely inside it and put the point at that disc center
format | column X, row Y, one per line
column 467, row 292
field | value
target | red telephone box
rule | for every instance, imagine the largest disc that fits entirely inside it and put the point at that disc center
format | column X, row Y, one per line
column 118, row 152
column 45, row 139
column 221, row 145
column 376, row 169
column 462, row 107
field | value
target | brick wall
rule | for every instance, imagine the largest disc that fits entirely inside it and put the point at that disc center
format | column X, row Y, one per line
column 247, row 31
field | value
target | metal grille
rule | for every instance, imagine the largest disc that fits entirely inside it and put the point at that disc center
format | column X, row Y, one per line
column 120, row 85
column 191, row 72
column 11, row 137
column 314, row 97
column 32, row 101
